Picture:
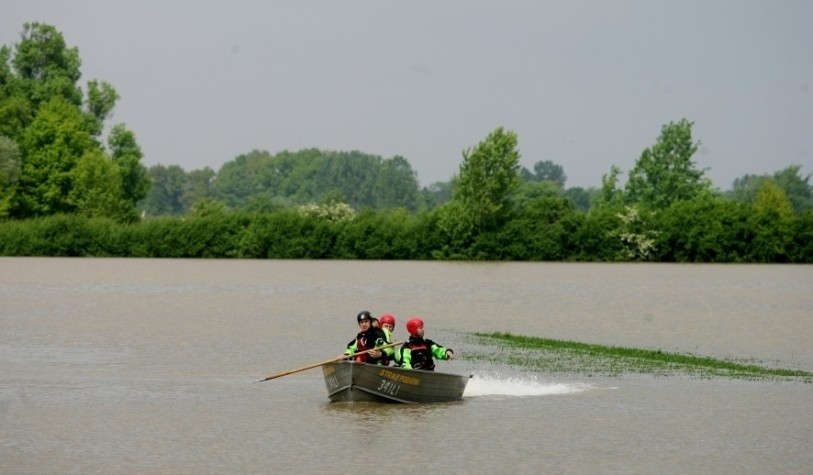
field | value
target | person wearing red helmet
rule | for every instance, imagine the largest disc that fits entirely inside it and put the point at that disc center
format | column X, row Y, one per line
column 418, row 352
column 387, row 323
column 387, row 326
column 367, row 338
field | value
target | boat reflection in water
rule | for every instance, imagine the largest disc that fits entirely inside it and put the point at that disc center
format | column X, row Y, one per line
column 348, row 381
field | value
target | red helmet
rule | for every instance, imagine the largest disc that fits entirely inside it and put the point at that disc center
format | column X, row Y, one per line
column 387, row 318
column 413, row 324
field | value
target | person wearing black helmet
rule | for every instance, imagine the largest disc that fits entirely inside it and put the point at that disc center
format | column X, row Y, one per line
column 367, row 338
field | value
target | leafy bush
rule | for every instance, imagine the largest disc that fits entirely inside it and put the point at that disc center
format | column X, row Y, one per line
column 706, row 229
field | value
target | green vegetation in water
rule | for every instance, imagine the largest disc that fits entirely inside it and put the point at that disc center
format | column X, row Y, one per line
column 569, row 357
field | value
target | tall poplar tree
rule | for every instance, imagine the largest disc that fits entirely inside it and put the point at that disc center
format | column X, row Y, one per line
column 665, row 172
column 489, row 173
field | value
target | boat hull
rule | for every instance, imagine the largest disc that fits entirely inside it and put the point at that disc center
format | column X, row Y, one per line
column 348, row 381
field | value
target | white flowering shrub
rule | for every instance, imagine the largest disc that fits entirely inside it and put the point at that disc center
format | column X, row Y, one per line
column 332, row 212
column 639, row 243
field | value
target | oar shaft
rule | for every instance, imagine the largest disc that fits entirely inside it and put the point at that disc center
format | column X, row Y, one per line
column 332, row 360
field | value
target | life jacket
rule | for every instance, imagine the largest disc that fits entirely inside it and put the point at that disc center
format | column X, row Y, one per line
column 421, row 353
column 368, row 340
column 361, row 341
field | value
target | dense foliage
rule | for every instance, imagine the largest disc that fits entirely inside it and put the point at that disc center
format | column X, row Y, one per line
column 705, row 230
column 64, row 192
column 52, row 157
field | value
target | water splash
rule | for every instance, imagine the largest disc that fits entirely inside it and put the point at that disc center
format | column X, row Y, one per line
column 482, row 385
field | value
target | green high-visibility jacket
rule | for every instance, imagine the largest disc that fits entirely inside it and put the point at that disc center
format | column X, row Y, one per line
column 417, row 353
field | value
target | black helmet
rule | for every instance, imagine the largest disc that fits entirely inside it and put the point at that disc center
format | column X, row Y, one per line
column 364, row 315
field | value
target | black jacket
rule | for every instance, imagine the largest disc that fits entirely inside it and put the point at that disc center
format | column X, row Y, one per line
column 368, row 340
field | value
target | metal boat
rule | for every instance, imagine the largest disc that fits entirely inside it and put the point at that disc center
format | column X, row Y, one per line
column 348, row 381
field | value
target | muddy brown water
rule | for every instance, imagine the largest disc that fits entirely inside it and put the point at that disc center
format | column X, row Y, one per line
column 150, row 366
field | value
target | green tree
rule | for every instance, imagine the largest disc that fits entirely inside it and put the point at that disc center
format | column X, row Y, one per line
column 771, row 199
column 803, row 238
column 101, row 99
column 259, row 180
column 165, row 196
column 126, row 154
column 772, row 223
column 665, row 172
column 745, row 188
column 41, row 109
column 51, row 147
column 488, row 175
column 397, row 185
column 796, row 187
column 353, row 175
column 549, row 171
column 6, row 74
column 437, row 194
column 10, row 167
column 15, row 114
column 45, row 66
column 611, row 194
column 96, row 190
column 582, row 198
column 206, row 207
column 297, row 173
column 706, row 229
column 542, row 229
column 596, row 237
column 198, row 189
column 457, row 231
column 531, row 191
column 240, row 179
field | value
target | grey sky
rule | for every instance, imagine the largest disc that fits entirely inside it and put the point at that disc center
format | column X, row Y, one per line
column 586, row 84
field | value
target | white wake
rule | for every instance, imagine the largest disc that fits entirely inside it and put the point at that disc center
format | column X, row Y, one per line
column 496, row 386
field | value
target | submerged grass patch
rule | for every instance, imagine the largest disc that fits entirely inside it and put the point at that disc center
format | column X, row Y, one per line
column 571, row 357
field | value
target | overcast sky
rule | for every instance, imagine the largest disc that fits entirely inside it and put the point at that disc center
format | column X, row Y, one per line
column 586, row 84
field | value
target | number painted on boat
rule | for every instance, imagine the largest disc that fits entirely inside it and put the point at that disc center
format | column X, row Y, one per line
column 331, row 382
column 388, row 387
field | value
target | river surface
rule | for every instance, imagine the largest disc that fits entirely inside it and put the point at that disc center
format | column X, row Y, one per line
column 151, row 366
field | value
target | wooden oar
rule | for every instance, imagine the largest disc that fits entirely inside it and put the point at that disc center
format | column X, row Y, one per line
column 332, row 360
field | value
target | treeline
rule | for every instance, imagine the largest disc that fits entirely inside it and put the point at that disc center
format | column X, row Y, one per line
column 261, row 181
column 712, row 229
column 666, row 212
column 64, row 192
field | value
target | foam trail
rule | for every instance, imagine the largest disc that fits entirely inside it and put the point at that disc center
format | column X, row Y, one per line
column 495, row 386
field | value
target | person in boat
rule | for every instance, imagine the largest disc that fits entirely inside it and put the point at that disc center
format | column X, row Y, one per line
column 389, row 355
column 368, row 338
column 418, row 352
column 388, row 326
